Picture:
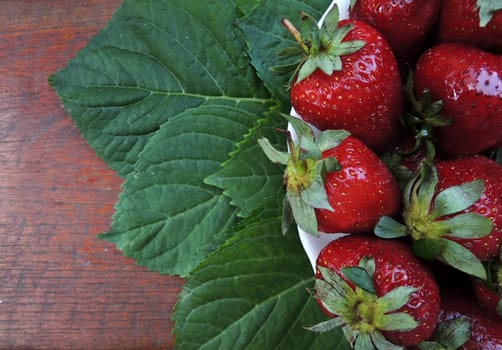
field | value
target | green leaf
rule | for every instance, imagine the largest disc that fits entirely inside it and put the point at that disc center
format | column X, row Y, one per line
column 301, row 128
column 315, row 195
column 329, row 164
column 462, row 259
column 457, row 198
column 431, row 345
column 287, row 215
column 466, row 225
column 309, row 149
column 453, row 333
column 388, row 227
column 487, row 8
column 396, row 298
column 153, row 61
column 363, row 342
column 303, row 213
column 497, row 156
column 334, row 296
column 398, row 321
column 251, row 293
column 276, row 156
column 360, row 277
column 166, row 217
column 427, row 248
column 382, row 343
column 163, row 125
column 498, row 308
column 249, row 178
column 327, row 326
column 426, row 185
column 334, row 282
column 331, row 138
column 265, row 34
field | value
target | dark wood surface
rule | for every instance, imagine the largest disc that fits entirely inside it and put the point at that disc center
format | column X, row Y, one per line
column 61, row 287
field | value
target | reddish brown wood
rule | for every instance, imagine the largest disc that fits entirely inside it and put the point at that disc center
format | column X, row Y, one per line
column 60, row 286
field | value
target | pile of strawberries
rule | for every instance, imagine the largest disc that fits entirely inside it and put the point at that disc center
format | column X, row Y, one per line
column 398, row 146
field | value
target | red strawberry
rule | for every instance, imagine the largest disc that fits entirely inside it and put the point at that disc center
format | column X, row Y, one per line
column 377, row 290
column 489, row 292
column 360, row 193
column 461, row 170
column 334, row 182
column 451, row 211
column 468, row 81
column 406, row 25
column 349, row 79
column 488, row 297
column 485, row 329
column 472, row 22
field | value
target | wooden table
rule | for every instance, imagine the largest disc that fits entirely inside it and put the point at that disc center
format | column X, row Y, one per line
column 60, row 286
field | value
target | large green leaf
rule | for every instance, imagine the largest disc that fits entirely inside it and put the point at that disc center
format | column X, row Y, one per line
column 166, row 217
column 266, row 38
column 249, row 178
column 252, row 294
column 163, row 94
column 153, row 61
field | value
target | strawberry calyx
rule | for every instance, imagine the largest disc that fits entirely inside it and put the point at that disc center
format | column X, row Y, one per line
column 422, row 116
column 431, row 219
column 305, row 172
column 321, row 46
column 449, row 334
column 493, row 281
column 358, row 310
column 487, row 9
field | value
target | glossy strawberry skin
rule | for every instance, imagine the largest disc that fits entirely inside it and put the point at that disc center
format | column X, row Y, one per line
column 459, row 23
column 365, row 97
column 360, row 193
column 469, row 82
column 406, row 25
column 486, row 297
column 463, row 169
column 395, row 266
column 486, row 329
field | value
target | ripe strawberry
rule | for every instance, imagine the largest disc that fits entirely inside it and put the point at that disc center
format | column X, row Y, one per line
column 377, row 291
column 485, row 329
column 468, row 81
column 472, row 22
column 406, row 25
column 459, row 171
column 488, row 296
column 451, row 211
column 348, row 79
column 489, row 292
column 334, row 182
column 360, row 193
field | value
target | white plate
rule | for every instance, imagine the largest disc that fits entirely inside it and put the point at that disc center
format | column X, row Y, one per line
column 313, row 244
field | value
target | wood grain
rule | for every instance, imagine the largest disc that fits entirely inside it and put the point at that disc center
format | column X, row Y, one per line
column 60, row 286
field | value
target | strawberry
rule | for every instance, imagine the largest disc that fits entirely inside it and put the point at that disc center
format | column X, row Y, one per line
column 472, row 22
column 462, row 170
column 451, row 211
column 348, row 79
column 377, row 291
column 485, row 329
column 468, row 81
column 489, row 296
column 334, row 182
column 406, row 25
column 489, row 292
